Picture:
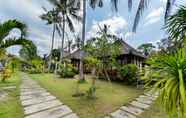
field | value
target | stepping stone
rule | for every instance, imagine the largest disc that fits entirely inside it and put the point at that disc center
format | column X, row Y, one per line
column 36, row 95
column 145, row 101
column 33, row 92
column 132, row 110
column 35, row 89
column 41, row 106
column 73, row 115
column 37, row 100
column 151, row 95
column 147, row 97
column 9, row 88
column 122, row 114
column 30, row 87
column 52, row 113
column 139, row 105
column 3, row 96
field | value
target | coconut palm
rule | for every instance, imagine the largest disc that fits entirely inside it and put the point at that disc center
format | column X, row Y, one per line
column 67, row 11
column 5, row 30
column 52, row 18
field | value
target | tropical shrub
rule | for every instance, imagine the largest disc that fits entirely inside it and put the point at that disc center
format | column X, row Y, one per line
column 171, row 82
column 6, row 74
column 129, row 73
column 37, row 66
column 67, row 71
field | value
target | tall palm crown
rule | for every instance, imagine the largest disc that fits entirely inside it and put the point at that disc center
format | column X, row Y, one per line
column 67, row 11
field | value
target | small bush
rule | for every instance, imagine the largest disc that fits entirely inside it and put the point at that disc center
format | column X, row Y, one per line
column 129, row 73
column 6, row 74
column 67, row 71
column 34, row 71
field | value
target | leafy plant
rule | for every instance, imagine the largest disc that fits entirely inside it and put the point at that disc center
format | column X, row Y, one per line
column 171, row 84
column 129, row 73
column 67, row 71
column 6, row 74
column 37, row 66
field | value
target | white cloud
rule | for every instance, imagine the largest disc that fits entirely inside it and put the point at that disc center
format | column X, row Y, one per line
column 155, row 13
column 116, row 25
column 154, row 16
column 152, row 21
column 25, row 7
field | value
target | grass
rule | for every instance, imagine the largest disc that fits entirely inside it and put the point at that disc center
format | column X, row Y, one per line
column 11, row 106
column 108, row 98
column 156, row 111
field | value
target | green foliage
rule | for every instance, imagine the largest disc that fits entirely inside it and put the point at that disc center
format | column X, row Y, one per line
column 6, row 74
column 146, row 48
column 28, row 52
column 170, row 69
column 67, row 71
column 176, row 27
column 91, row 92
column 129, row 73
column 37, row 66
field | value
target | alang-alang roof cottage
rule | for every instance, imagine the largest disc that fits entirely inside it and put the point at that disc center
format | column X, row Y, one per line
column 128, row 55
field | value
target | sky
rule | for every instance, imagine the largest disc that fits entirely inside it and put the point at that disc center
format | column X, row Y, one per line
column 150, row 28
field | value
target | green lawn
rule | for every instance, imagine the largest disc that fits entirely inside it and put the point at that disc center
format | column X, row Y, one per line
column 11, row 106
column 108, row 98
column 155, row 111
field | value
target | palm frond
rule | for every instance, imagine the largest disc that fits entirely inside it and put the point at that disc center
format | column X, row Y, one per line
column 115, row 4
column 176, row 25
column 130, row 4
column 70, row 24
column 9, row 25
column 12, row 42
column 141, row 7
column 168, row 9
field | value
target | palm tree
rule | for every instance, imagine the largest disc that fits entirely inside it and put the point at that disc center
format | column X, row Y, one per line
column 5, row 30
column 66, row 10
column 52, row 18
column 93, row 4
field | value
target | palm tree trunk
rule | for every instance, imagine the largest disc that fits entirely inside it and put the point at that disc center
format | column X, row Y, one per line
column 83, row 40
column 63, row 38
column 52, row 46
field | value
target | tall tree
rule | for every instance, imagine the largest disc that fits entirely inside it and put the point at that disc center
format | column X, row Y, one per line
column 146, row 48
column 67, row 11
column 52, row 18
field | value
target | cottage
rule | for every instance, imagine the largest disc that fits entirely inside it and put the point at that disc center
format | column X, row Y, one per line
column 128, row 55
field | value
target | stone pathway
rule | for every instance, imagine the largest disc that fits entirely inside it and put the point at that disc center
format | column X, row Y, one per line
column 38, row 103
column 136, row 107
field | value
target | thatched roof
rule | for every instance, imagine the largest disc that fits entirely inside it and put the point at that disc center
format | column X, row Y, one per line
column 126, row 49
